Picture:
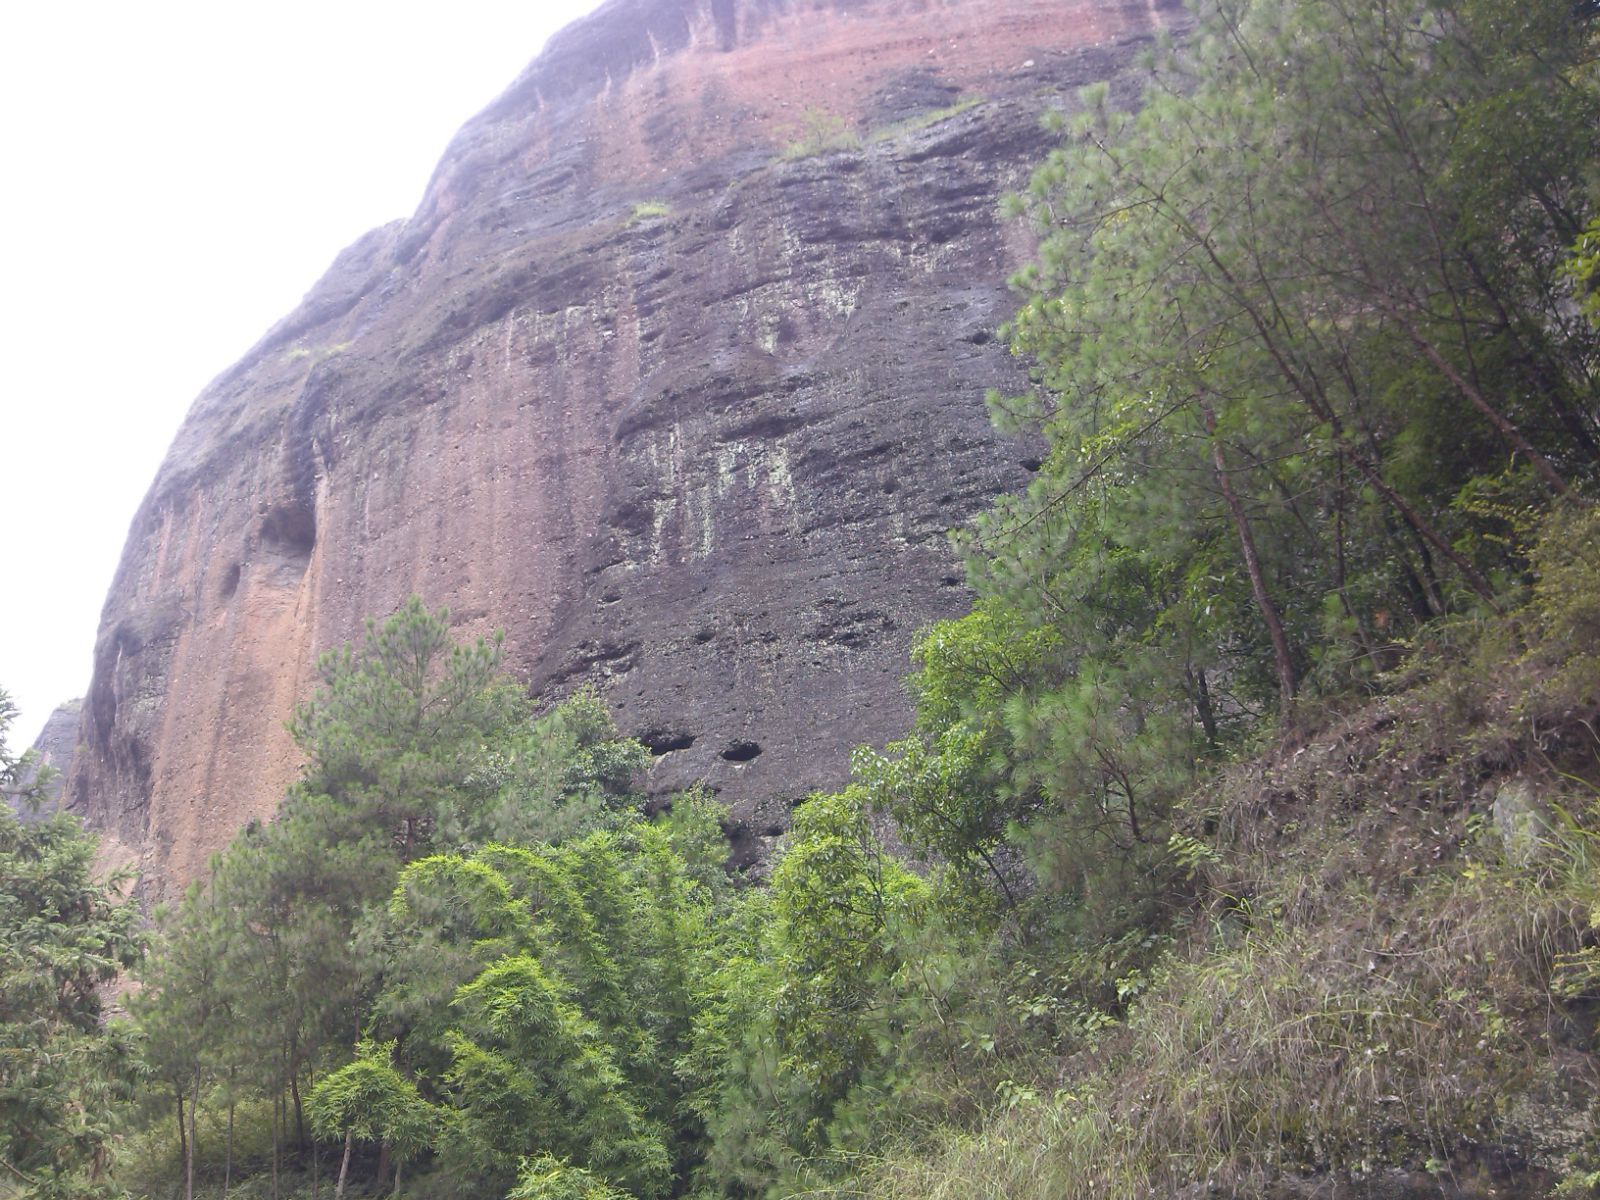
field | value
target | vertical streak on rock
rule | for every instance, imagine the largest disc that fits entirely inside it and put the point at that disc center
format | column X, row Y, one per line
column 722, row 12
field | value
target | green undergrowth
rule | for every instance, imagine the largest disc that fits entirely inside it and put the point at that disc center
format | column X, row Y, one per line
column 1387, row 972
column 317, row 355
column 648, row 210
column 927, row 120
column 817, row 131
column 1302, row 1050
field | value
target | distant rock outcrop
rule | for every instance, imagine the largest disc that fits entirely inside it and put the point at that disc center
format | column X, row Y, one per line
column 53, row 748
column 676, row 375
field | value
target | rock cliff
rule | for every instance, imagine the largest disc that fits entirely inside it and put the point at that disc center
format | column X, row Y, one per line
column 676, row 375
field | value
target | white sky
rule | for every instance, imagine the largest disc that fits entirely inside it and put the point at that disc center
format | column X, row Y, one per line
column 176, row 175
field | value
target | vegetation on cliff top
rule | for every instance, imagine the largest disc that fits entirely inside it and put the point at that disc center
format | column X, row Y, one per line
column 1246, row 834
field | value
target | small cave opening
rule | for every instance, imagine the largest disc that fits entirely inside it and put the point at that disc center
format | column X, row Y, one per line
column 742, row 751
column 665, row 741
column 230, row 582
column 633, row 515
column 745, row 848
column 289, row 531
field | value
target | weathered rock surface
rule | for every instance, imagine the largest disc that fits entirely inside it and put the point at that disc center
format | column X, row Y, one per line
column 685, row 412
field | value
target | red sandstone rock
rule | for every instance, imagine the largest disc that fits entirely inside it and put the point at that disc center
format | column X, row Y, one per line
column 685, row 415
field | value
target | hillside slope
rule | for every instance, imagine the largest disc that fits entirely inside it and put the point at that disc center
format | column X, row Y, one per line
column 1383, row 981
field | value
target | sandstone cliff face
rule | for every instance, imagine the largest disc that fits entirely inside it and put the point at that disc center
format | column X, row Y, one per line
column 686, row 413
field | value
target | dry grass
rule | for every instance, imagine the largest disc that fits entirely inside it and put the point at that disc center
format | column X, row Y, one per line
column 816, row 132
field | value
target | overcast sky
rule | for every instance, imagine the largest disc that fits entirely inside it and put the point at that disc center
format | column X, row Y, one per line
column 176, row 176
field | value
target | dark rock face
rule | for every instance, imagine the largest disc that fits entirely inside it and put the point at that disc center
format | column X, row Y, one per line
column 684, row 409
column 53, row 748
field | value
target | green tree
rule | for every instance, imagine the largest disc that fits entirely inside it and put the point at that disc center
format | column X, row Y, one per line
column 448, row 919
column 287, row 954
column 838, row 897
column 556, row 778
column 393, row 742
column 182, row 1010
column 547, row 1178
column 1311, row 287
column 397, row 737
column 63, row 935
column 531, row 1071
column 618, row 930
column 754, row 1110
column 841, row 1006
column 1305, row 359
column 290, row 899
column 947, row 786
column 368, row 1100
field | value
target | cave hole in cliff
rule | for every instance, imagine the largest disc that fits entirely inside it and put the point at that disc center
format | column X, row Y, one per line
column 230, row 582
column 289, row 531
column 745, row 848
column 665, row 741
column 742, row 751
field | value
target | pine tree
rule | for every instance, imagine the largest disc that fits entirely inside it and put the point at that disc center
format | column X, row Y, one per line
column 398, row 734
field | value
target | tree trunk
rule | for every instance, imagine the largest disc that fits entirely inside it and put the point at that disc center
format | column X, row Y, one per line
column 188, row 1164
column 383, row 1164
column 1201, row 691
column 299, row 1111
column 1310, row 390
column 227, row 1161
column 1502, row 423
column 183, row 1128
column 1425, row 530
column 344, row 1164
column 1283, row 661
column 277, row 1129
column 398, row 1164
